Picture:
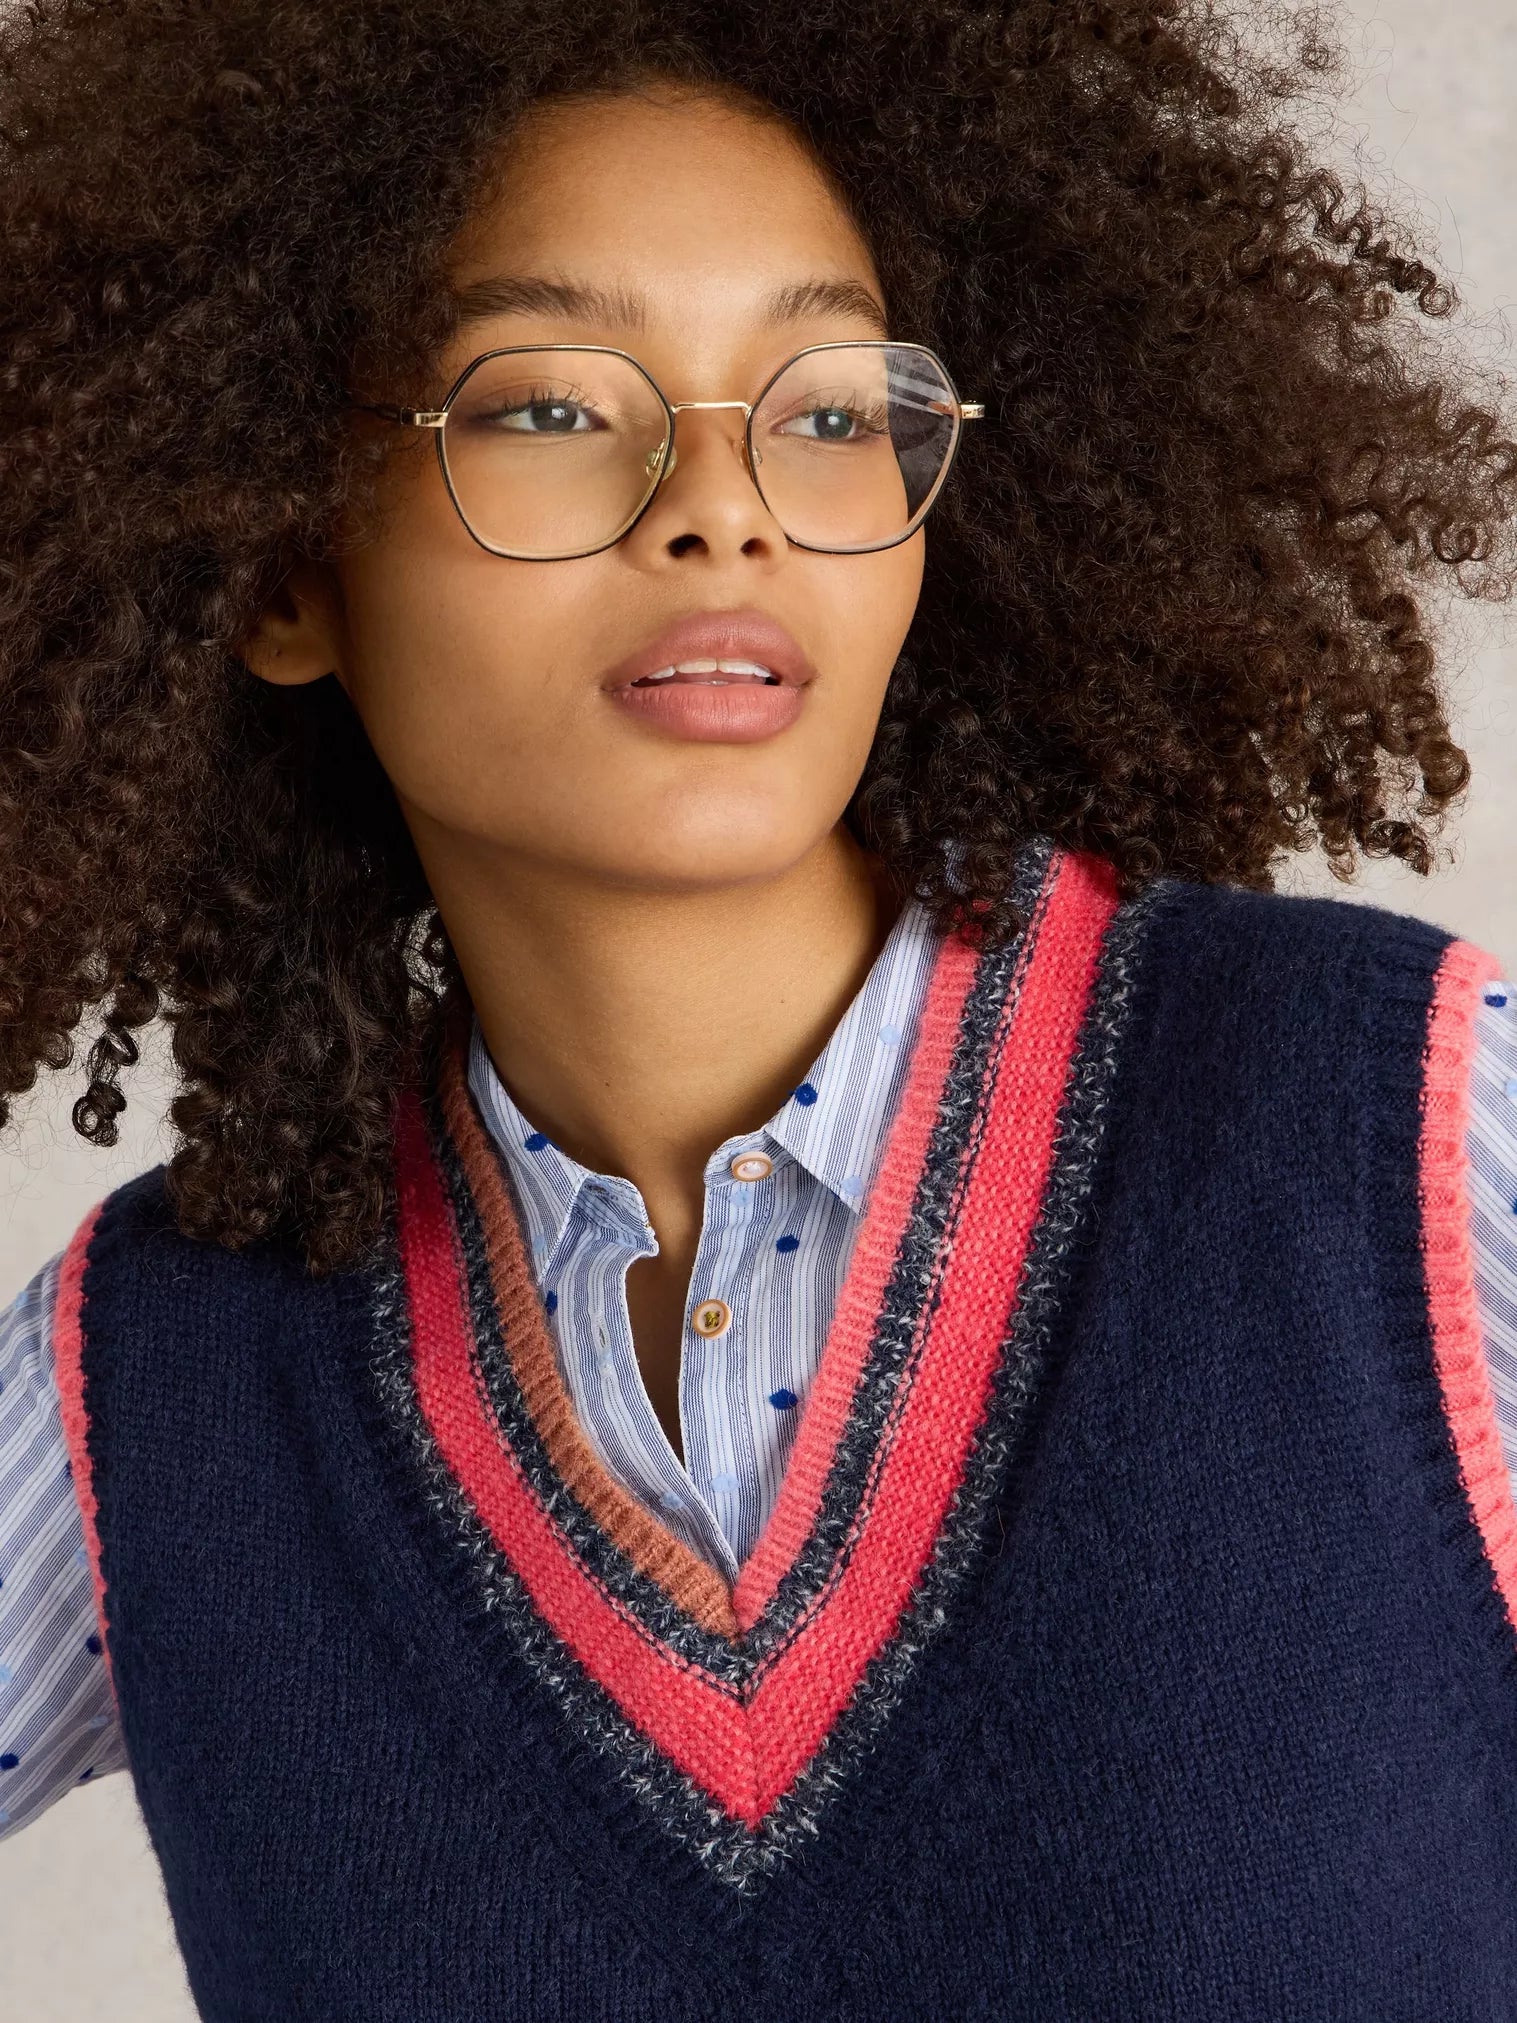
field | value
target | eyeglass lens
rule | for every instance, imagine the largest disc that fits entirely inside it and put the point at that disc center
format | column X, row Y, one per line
column 552, row 453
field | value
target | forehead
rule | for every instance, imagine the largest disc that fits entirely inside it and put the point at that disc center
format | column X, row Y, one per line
column 677, row 195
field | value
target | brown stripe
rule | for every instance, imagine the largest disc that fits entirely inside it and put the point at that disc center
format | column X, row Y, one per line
column 690, row 1581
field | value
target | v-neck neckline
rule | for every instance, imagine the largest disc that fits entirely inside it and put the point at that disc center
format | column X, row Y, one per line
column 720, row 1705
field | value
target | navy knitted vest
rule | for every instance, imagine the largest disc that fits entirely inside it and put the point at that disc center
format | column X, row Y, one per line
column 1133, row 1636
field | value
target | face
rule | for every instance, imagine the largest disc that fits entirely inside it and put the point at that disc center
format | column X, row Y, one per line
column 495, row 691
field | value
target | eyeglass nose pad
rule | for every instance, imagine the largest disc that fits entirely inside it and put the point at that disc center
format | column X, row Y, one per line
column 650, row 463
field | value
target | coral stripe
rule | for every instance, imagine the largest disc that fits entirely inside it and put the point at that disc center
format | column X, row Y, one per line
column 68, row 1356
column 696, row 1725
column 691, row 1582
column 924, row 1462
column 1469, row 1403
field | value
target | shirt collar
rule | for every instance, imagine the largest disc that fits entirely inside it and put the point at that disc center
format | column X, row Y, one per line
column 547, row 1181
column 834, row 1123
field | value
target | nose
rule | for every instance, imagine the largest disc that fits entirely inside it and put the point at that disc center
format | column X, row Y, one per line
column 714, row 505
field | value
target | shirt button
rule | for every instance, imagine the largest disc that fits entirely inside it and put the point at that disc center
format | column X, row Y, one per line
column 712, row 1317
column 751, row 1166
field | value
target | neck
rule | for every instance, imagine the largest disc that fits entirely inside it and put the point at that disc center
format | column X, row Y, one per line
column 640, row 1029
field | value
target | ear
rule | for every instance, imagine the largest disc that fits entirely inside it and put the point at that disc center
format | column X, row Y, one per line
column 300, row 635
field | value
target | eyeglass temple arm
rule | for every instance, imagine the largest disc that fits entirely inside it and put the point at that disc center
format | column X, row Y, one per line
column 412, row 417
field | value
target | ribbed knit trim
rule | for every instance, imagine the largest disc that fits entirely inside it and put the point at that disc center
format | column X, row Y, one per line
column 734, row 1734
column 1463, row 1373
column 689, row 1581
column 68, row 1359
column 501, row 1361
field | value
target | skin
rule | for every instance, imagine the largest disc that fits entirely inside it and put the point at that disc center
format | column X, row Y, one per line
column 658, row 936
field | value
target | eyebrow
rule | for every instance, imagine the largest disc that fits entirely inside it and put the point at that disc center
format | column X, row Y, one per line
column 582, row 302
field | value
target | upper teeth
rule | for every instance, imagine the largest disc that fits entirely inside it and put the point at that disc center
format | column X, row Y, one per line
column 750, row 667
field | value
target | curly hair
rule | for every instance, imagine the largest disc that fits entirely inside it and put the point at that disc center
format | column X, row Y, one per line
column 1174, row 609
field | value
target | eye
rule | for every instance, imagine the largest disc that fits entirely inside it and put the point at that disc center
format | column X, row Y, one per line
column 545, row 414
column 836, row 422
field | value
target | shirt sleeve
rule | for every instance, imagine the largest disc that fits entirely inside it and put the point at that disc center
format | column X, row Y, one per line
column 58, row 1723
column 1492, row 1144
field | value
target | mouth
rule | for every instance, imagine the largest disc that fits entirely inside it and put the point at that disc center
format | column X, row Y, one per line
column 711, row 674
column 726, row 677
column 716, row 648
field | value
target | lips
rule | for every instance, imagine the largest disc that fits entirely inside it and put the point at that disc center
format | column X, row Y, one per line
column 756, row 648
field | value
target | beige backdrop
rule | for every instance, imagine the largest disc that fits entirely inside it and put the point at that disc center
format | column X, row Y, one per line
column 84, row 1933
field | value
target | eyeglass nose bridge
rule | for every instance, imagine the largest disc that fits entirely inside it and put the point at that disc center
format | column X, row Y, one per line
column 750, row 456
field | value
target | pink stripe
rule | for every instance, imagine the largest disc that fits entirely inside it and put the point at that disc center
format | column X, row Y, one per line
column 68, row 1359
column 924, row 1462
column 1469, row 1403
column 697, row 1726
column 830, row 1400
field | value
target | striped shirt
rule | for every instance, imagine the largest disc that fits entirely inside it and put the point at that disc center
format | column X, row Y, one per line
column 782, row 1207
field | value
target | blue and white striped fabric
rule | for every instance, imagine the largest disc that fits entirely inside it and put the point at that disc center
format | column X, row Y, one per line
column 57, row 1716
column 57, row 1724
column 774, row 1250
column 1492, row 1144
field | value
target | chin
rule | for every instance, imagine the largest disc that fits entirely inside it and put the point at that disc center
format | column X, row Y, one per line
column 708, row 856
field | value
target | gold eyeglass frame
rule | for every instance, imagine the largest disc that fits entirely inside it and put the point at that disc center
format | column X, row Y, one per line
column 661, row 462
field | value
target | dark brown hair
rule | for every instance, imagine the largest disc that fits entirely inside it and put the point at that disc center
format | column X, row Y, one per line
column 1174, row 601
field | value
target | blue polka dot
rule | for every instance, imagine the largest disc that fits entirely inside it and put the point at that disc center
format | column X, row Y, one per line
column 9, row 1760
column 854, row 1184
column 782, row 1400
column 537, row 1141
column 551, row 1302
column 92, row 1643
column 805, row 1093
column 890, row 1036
column 1495, row 997
column 1511, row 1087
column 6, row 1675
column 726, row 1480
column 81, row 1555
column 788, row 1243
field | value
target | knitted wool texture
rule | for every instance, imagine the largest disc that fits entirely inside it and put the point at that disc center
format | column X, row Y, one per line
column 1135, row 1632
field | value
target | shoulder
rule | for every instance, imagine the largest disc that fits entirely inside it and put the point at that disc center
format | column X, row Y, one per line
column 1304, row 943
column 1295, row 999
column 1312, row 919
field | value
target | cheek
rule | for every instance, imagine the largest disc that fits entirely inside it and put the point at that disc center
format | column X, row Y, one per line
column 464, row 669
column 870, row 601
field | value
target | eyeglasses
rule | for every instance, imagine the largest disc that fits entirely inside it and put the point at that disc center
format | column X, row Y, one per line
column 555, row 451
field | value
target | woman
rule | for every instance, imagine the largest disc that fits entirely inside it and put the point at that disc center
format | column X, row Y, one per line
column 803, row 1356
